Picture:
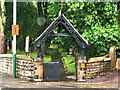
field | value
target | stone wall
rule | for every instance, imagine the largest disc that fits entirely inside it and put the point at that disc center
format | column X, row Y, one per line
column 24, row 65
column 27, row 68
column 93, row 69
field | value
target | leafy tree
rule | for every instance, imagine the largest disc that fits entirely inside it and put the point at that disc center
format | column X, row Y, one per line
column 96, row 21
column 2, row 24
column 27, row 15
column 42, row 12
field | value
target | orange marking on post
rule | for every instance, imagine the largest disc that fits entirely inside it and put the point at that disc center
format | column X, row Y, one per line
column 15, row 29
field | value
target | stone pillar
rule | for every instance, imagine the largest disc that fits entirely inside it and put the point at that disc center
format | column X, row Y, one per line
column 112, row 55
column 39, row 66
column 81, row 65
column 81, row 72
column 38, row 69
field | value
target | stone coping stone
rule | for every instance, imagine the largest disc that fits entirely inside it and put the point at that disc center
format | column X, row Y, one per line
column 6, row 55
column 18, row 56
column 98, row 59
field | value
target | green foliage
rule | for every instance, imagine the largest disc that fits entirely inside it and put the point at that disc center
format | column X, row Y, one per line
column 17, row 51
column 47, row 58
column 26, row 19
column 70, row 67
column 100, row 38
column 96, row 21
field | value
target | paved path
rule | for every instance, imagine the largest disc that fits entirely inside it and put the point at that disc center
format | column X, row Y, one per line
column 8, row 82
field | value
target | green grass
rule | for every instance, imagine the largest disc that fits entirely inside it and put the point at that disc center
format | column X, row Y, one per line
column 70, row 67
column 33, row 55
column 47, row 58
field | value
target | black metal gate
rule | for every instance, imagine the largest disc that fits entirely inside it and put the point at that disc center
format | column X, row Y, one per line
column 51, row 71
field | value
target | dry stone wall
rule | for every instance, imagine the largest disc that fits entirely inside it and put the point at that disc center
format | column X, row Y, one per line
column 27, row 68
column 93, row 69
column 24, row 65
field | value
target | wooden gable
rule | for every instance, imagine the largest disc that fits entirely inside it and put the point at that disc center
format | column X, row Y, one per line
column 61, row 20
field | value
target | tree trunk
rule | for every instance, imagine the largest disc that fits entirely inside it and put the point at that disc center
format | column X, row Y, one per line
column 118, row 8
column 42, row 11
column 22, row 45
column 2, row 23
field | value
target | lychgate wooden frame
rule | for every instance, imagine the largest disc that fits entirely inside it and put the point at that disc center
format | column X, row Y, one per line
column 61, row 21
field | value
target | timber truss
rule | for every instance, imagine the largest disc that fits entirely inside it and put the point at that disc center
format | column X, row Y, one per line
column 60, row 21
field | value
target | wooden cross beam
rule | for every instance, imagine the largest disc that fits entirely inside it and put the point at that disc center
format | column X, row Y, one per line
column 60, row 34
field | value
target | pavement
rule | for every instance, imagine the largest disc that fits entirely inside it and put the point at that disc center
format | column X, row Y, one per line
column 9, row 82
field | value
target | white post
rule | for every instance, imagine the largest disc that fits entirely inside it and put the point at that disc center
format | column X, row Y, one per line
column 27, row 45
column 14, row 41
column 14, row 23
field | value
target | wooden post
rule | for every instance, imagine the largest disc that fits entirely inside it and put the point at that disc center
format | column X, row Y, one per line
column 27, row 44
column 39, row 53
column 81, row 52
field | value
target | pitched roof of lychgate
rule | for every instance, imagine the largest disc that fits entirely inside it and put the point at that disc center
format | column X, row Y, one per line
column 61, row 19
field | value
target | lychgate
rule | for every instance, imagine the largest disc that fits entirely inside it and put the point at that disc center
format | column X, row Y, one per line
column 61, row 22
